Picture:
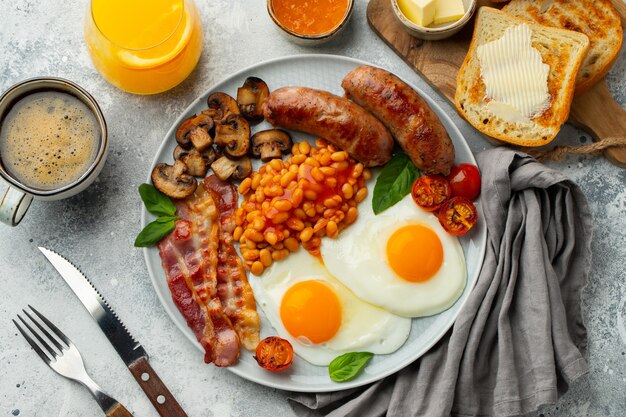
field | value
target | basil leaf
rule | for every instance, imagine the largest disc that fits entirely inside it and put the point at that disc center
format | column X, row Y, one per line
column 155, row 201
column 394, row 182
column 155, row 231
column 347, row 366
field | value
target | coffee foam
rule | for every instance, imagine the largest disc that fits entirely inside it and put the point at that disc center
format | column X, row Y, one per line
column 48, row 140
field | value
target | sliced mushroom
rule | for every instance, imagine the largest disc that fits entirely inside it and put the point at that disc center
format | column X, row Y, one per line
column 218, row 153
column 270, row 144
column 250, row 97
column 225, row 168
column 173, row 180
column 195, row 131
column 233, row 135
column 197, row 162
column 221, row 105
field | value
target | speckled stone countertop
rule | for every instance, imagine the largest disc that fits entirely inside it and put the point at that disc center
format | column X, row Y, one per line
column 98, row 226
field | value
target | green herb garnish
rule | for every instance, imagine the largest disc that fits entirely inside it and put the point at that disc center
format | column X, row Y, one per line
column 394, row 182
column 155, row 201
column 159, row 204
column 155, row 231
column 347, row 366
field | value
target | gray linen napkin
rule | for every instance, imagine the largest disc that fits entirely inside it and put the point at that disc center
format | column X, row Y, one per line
column 519, row 341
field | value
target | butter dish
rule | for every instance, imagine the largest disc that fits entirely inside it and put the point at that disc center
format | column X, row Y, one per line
column 444, row 23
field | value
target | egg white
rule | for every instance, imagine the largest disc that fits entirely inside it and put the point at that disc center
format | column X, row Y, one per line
column 364, row 327
column 358, row 258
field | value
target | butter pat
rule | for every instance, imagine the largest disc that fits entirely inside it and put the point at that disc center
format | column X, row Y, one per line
column 420, row 12
column 506, row 112
column 448, row 11
column 515, row 77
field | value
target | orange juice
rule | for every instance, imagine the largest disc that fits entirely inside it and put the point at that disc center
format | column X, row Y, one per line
column 144, row 46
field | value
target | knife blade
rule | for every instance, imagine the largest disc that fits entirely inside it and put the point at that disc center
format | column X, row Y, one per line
column 132, row 353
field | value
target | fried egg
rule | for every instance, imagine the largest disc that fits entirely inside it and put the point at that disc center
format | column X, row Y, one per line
column 319, row 316
column 401, row 260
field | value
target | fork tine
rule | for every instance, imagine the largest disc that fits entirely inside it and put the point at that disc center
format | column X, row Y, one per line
column 51, row 326
column 45, row 344
column 31, row 342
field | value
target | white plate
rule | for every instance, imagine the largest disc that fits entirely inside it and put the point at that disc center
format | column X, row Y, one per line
column 324, row 72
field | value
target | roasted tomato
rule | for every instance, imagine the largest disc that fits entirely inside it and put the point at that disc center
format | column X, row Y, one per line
column 274, row 354
column 464, row 181
column 430, row 191
column 458, row 215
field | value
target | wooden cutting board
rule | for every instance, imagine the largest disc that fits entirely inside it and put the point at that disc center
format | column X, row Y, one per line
column 438, row 62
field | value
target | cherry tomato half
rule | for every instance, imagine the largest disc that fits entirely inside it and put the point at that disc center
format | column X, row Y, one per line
column 458, row 215
column 274, row 354
column 430, row 191
column 464, row 181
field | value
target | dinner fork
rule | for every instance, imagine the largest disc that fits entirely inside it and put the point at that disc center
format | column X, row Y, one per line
column 65, row 359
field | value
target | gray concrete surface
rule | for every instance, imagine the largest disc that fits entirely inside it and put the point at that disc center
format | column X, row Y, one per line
column 97, row 227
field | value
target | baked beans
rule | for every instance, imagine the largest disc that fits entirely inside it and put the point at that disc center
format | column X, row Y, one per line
column 313, row 194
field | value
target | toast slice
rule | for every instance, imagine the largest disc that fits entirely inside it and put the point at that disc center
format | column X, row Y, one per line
column 595, row 18
column 562, row 50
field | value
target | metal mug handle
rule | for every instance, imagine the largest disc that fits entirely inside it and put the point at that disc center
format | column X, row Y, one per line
column 13, row 206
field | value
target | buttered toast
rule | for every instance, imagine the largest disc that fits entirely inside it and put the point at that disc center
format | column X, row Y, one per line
column 557, row 55
column 595, row 18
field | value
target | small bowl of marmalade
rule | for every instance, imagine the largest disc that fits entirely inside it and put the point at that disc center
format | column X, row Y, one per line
column 312, row 22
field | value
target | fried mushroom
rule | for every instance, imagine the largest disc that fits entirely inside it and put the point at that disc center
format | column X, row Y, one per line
column 195, row 131
column 250, row 97
column 225, row 168
column 233, row 135
column 197, row 162
column 221, row 105
column 270, row 144
column 173, row 180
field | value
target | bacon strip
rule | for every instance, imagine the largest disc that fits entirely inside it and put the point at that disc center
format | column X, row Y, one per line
column 232, row 285
column 189, row 256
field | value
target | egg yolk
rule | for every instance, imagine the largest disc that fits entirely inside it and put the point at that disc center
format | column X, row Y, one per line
column 415, row 253
column 311, row 310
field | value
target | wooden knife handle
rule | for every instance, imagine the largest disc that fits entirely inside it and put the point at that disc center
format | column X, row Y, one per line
column 118, row 410
column 160, row 397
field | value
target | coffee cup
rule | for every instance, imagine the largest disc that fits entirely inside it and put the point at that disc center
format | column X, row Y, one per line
column 53, row 143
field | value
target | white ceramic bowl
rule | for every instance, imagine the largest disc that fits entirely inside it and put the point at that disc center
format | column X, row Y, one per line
column 437, row 32
column 310, row 40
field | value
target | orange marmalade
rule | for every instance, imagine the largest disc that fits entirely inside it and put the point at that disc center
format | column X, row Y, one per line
column 311, row 17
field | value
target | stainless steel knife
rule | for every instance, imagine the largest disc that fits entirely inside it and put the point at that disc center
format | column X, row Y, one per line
column 131, row 352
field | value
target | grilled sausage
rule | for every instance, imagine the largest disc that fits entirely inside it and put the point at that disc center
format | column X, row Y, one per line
column 412, row 123
column 333, row 118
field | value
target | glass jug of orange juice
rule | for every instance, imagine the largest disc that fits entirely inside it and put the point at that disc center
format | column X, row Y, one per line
column 144, row 46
